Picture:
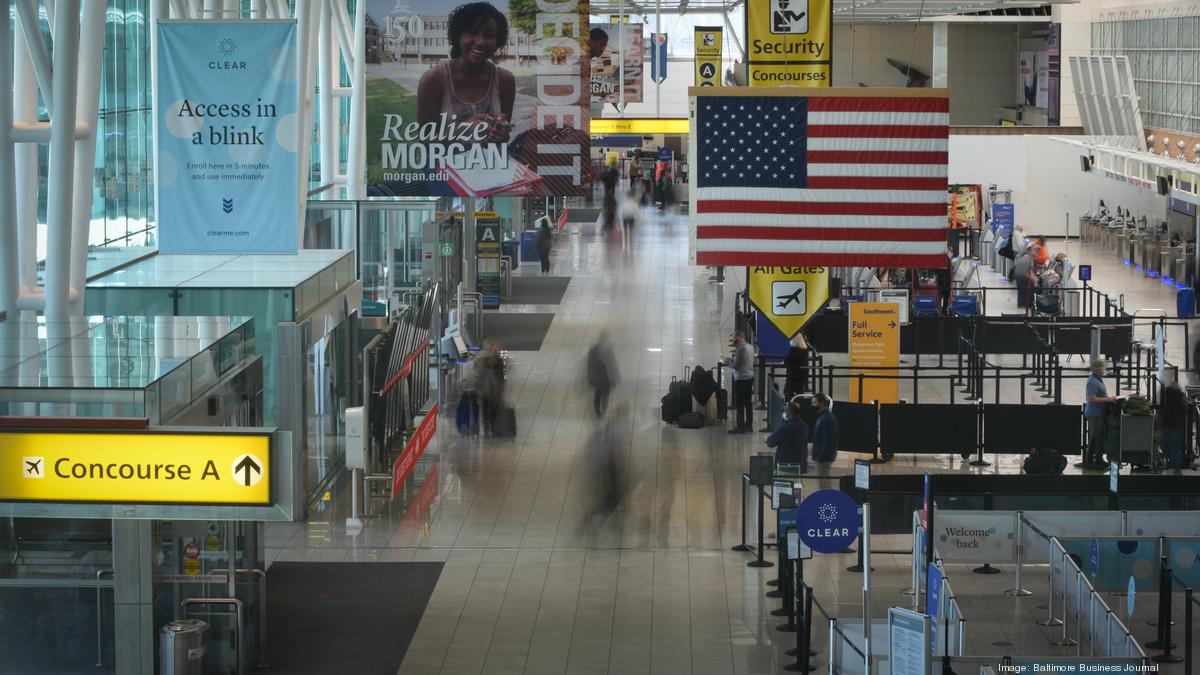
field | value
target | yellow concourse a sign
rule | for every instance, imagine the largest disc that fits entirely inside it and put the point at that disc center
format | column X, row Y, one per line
column 708, row 56
column 136, row 467
column 789, row 43
column 875, row 350
column 789, row 296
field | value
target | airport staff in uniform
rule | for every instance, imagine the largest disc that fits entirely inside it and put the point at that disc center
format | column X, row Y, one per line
column 1097, row 398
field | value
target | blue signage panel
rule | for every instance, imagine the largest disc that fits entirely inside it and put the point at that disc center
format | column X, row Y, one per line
column 933, row 598
column 226, row 168
column 1003, row 219
column 1095, row 556
column 828, row 521
column 658, row 56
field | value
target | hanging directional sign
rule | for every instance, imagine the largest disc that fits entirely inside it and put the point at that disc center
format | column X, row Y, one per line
column 144, row 466
column 828, row 521
column 789, row 296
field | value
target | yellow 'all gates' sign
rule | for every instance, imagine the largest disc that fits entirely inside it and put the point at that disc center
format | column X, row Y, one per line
column 789, row 43
column 136, row 467
column 788, row 296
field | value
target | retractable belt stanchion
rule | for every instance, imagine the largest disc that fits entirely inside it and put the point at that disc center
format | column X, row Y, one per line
column 987, row 567
column 758, row 550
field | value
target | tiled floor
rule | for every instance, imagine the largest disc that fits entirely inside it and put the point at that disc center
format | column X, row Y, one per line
column 536, row 582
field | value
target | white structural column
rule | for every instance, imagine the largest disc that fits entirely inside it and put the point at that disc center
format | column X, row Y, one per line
column 356, row 165
column 941, row 54
column 59, row 186
column 9, row 255
column 91, row 51
column 327, row 74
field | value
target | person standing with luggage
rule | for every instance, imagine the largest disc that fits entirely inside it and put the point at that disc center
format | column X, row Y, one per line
column 1096, row 397
column 742, row 364
column 489, row 383
column 545, row 242
column 824, row 438
column 791, row 440
column 1022, row 274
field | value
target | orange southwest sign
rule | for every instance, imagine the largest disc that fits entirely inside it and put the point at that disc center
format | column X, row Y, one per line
column 874, row 350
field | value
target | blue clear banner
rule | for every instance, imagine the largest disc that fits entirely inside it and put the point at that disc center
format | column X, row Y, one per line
column 227, row 178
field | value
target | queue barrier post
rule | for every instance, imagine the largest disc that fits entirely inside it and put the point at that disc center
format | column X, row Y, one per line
column 1187, row 630
column 758, row 560
column 742, row 546
column 1050, row 620
column 1065, row 641
column 1018, row 591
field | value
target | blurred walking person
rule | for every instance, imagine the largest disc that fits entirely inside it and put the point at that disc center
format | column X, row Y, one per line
column 489, row 383
column 605, row 472
column 602, row 373
column 545, row 242
column 608, row 214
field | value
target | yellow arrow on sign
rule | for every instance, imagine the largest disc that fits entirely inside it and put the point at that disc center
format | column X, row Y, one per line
column 789, row 296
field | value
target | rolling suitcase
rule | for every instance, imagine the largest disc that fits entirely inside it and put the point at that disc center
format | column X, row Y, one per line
column 691, row 420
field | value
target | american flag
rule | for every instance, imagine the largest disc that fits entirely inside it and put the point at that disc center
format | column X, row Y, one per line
column 822, row 180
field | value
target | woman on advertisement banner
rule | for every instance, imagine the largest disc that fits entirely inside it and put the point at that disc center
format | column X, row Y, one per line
column 469, row 85
column 483, row 111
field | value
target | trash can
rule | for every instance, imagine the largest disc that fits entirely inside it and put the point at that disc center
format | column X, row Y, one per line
column 182, row 644
column 529, row 246
column 1185, row 302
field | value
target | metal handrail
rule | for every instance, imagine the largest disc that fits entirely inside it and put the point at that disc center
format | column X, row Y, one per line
column 260, row 650
column 506, row 274
column 237, row 605
column 100, row 618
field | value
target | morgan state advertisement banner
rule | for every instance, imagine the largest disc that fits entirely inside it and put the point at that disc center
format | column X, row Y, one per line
column 790, row 43
column 492, row 99
column 226, row 165
column 604, row 45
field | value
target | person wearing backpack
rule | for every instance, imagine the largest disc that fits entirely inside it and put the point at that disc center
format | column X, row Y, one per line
column 824, row 438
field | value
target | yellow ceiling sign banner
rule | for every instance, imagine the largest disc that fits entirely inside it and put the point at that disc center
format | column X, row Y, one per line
column 708, row 56
column 605, row 126
column 136, row 467
column 789, row 43
column 789, row 296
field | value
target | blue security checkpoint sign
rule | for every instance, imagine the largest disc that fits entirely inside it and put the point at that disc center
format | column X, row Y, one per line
column 828, row 521
column 1003, row 219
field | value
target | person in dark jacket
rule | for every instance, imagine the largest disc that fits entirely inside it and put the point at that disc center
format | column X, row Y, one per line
column 796, row 363
column 824, row 438
column 1172, row 421
column 545, row 242
column 602, row 374
column 791, row 440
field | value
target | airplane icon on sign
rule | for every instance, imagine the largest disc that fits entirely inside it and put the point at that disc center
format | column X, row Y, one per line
column 789, row 299
column 34, row 467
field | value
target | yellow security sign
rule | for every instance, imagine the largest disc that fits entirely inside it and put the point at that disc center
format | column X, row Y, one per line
column 789, row 296
column 136, row 467
column 708, row 56
column 789, row 43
